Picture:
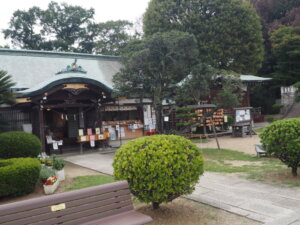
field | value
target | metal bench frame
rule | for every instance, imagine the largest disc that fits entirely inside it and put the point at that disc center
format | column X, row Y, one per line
column 105, row 204
column 259, row 150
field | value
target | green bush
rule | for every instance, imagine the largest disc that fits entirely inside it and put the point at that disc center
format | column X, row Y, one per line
column 282, row 140
column 297, row 99
column 58, row 164
column 18, row 176
column 276, row 108
column 270, row 119
column 159, row 168
column 45, row 173
column 18, row 144
column 186, row 115
column 185, row 110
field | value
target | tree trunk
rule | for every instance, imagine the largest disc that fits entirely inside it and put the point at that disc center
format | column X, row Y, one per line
column 155, row 205
column 294, row 171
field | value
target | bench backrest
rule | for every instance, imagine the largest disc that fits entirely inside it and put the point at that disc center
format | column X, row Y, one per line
column 74, row 207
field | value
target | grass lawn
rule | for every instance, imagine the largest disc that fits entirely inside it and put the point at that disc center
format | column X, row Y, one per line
column 246, row 166
column 198, row 140
column 88, row 181
column 259, row 130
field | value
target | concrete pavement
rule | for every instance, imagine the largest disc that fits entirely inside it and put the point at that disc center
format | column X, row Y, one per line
column 270, row 204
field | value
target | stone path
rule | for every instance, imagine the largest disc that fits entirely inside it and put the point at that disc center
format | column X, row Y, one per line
column 266, row 203
column 262, row 202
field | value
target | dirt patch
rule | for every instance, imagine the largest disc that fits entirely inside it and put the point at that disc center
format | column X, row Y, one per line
column 241, row 144
column 187, row 212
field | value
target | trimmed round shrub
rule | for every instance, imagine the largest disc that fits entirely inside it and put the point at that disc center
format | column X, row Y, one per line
column 159, row 168
column 276, row 108
column 18, row 176
column 18, row 144
column 281, row 139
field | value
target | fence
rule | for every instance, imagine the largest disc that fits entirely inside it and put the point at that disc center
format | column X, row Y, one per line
column 13, row 119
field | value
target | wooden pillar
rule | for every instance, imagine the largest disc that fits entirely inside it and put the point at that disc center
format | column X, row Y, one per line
column 248, row 97
column 42, row 128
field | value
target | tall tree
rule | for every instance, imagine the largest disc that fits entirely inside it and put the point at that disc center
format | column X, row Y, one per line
column 63, row 27
column 228, row 32
column 108, row 38
column 196, row 86
column 64, row 24
column 23, row 29
column 286, row 50
column 155, row 66
column 274, row 13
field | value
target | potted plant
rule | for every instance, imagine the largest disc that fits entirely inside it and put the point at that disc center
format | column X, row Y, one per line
column 49, row 163
column 51, row 185
column 58, row 166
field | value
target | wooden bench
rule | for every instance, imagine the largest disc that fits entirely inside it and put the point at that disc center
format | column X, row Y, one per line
column 259, row 150
column 108, row 204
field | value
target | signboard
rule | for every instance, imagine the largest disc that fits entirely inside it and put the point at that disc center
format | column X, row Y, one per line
column 242, row 115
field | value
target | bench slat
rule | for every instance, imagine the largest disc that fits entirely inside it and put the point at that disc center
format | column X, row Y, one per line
column 35, row 216
column 126, row 218
column 85, row 216
column 61, row 197
column 95, row 217
column 100, row 203
column 69, row 204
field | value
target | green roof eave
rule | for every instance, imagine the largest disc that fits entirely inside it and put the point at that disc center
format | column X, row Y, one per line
column 42, row 88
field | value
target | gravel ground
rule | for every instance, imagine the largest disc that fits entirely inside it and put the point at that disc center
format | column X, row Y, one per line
column 241, row 144
column 180, row 211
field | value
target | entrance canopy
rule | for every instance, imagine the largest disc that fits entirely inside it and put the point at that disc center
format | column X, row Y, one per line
column 70, row 87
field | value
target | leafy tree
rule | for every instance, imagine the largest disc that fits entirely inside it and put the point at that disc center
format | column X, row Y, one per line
column 230, row 93
column 6, row 96
column 202, row 83
column 155, row 66
column 64, row 27
column 228, row 32
column 196, row 86
column 108, row 38
column 22, row 29
column 286, row 50
column 274, row 13
column 65, row 24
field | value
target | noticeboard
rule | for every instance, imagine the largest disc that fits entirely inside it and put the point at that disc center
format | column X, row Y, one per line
column 242, row 115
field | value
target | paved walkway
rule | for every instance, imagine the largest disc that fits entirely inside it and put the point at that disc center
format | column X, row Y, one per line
column 269, row 204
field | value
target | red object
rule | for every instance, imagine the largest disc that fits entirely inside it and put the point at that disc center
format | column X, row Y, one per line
column 51, row 180
column 149, row 133
column 259, row 118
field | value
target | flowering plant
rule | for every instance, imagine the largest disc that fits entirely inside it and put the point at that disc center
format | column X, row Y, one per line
column 51, row 180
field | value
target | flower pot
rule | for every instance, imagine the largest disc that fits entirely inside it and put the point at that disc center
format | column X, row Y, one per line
column 60, row 174
column 49, row 189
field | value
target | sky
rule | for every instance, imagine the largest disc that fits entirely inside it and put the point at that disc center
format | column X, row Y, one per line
column 105, row 10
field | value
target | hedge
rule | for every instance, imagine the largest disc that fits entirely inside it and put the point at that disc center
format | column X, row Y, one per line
column 16, row 144
column 18, row 176
column 159, row 168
